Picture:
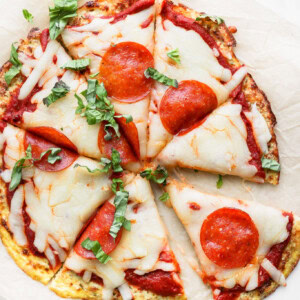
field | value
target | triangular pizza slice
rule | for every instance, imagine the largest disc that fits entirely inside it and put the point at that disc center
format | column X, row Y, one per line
column 196, row 52
column 245, row 249
column 118, row 38
column 46, row 200
column 51, row 98
column 141, row 264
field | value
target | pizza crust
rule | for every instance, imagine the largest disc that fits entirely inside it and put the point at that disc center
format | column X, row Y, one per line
column 37, row 268
column 290, row 258
column 226, row 42
column 68, row 284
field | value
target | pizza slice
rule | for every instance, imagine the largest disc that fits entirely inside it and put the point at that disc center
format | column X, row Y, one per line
column 137, row 264
column 46, row 200
column 117, row 37
column 245, row 249
column 51, row 98
column 194, row 78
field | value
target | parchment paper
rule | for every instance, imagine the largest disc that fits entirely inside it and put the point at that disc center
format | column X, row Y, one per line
column 268, row 40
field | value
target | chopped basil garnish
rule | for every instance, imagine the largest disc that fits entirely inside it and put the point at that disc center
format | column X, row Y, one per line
column 27, row 15
column 117, row 184
column 96, row 248
column 16, row 65
column 154, row 74
column 16, row 175
column 159, row 176
column 120, row 202
column 270, row 164
column 99, row 108
column 77, row 64
column 59, row 90
column 164, row 197
column 174, row 55
column 60, row 14
column 215, row 19
column 53, row 156
column 88, row 169
column 94, row 75
column 220, row 181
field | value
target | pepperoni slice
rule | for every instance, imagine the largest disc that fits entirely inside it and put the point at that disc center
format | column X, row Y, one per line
column 120, row 144
column 54, row 136
column 182, row 107
column 229, row 238
column 39, row 145
column 122, row 71
column 130, row 132
column 44, row 39
column 98, row 230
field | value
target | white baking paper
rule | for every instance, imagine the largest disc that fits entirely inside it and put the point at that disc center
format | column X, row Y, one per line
column 268, row 41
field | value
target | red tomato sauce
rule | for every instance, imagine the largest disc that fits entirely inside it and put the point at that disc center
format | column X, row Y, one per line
column 16, row 108
column 180, row 20
column 147, row 22
column 133, row 9
column 251, row 141
column 159, row 282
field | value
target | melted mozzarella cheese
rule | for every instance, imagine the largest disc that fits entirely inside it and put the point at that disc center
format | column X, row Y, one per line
column 58, row 203
column 270, row 223
column 198, row 62
column 260, row 128
column 94, row 39
column 218, row 145
column 138, row 249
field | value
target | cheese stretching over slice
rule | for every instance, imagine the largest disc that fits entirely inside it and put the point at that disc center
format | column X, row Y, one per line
column 94, row 39
column 197, row 62
column 138, row 249
column 58, row 203
column 218, row 145
column 270, row 223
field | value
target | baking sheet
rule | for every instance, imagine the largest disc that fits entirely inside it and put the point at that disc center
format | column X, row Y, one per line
column 268, row 40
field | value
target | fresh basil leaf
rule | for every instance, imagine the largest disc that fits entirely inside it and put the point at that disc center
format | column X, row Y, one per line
column 77, row 64
column 154, row 74
column 11, row 74
column 174, row 55
column 215, row 19
column 99, row 108
column 116, row 161
column 59, row 90
column 60, row 14
column 80, row 106
column 28, row 16
column 96, row 248
column 16, row 175
column 106, row 163
column 127, row 117
column 127, row 224
column 117, row 184
column 88, row 169
column 16, row 65
column 270, row 164
column 164, row 197
column 53, row 157
column 94, row 75
column 159, row 176
column 220, row 181
column 120, row 202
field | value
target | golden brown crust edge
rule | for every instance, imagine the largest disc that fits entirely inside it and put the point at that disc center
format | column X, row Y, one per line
column 290, row 259
column 37, row 268
column 226, row 42
column 68, row 284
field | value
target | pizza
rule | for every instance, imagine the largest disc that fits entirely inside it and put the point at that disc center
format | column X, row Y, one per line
column 245, row 249
column 226, row 126
column 104, row 104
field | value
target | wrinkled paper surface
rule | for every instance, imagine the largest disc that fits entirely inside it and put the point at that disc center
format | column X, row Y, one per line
column 268, row 42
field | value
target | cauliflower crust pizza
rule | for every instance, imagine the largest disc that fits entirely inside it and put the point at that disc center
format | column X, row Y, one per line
column 112, row 96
